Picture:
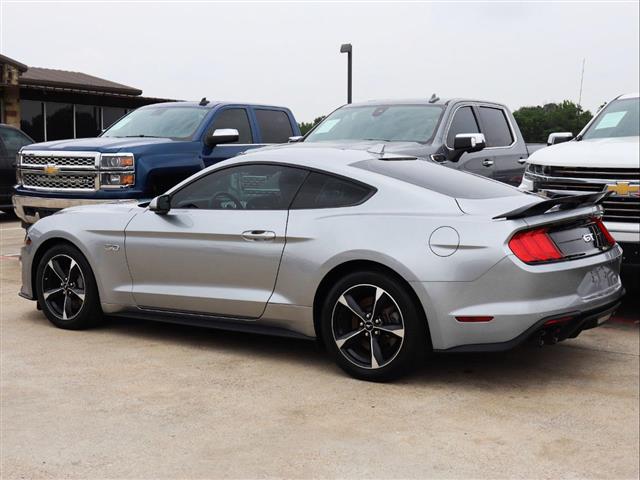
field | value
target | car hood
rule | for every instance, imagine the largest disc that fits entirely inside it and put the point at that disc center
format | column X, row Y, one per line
column 619, row 152
column 125, row 208
column 405, row 148
column 99, row 144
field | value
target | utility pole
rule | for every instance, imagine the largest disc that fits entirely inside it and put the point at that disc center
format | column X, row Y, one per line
column 346, row 48
column 581, row 81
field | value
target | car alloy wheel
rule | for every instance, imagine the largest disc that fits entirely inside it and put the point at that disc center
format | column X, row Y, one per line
column 63, row 287
column 368, row 326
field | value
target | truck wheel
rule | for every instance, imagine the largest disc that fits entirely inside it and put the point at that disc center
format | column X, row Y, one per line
column 66, row 289
column 373, row 327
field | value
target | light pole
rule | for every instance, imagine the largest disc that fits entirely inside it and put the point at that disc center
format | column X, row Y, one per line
column 346, row 48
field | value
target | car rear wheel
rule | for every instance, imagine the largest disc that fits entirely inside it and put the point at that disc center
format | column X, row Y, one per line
column 66, row 289
column 373, row 327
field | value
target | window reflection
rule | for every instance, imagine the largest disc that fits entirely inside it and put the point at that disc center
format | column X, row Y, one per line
column 87, row 121
column 32, row 119
column 59, row 121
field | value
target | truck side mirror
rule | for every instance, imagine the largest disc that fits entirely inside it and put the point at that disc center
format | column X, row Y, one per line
column 467, row 142
column 160, row 204
column 559, row 137
column 221, row 135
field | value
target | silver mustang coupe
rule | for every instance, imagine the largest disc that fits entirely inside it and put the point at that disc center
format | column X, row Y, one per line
column 384, row 257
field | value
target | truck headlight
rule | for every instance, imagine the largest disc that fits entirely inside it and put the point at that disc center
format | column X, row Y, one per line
column 116, row 160
column 117, row 179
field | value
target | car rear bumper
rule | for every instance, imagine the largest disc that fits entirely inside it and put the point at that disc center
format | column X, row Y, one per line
column 31, row 209
column 519, row 298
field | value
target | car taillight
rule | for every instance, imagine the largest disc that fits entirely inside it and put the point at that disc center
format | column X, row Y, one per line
column 534, row 246
column 605, row 232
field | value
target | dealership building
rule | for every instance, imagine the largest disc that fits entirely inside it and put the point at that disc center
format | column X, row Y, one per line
column 50, row 104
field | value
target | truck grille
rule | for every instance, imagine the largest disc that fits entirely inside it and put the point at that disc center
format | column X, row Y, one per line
column 60, row 181
column 60, row 161
column 572, row 180
column 50, row 170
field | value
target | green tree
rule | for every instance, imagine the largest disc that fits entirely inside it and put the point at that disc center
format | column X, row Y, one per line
column 536, row 123
column 306, row 126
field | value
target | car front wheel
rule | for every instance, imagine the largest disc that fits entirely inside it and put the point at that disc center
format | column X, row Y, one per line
column 373, row 327
column 66, row 288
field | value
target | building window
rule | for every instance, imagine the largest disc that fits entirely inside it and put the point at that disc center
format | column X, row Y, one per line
column 110, row 115
column 59, row 121
column 87, row 121
column 32, row 119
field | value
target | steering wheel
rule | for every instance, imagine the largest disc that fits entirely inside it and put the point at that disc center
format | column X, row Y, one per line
column 221, row 197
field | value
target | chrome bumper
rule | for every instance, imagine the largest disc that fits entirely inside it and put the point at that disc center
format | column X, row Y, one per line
column 26, row 208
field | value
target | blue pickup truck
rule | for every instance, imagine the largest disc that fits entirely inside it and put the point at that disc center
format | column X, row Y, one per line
column 143, row 154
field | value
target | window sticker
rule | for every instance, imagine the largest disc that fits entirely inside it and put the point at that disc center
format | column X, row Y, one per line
column 610, row 120
column 327, row 126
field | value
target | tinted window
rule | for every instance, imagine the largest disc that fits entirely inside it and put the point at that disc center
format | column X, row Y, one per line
column 59, row 121
column 235, row 118
column 87, row 121
column 440, row 179
column 464, row 121
column 32, row 119
column 408, row 123
column 495, row 127
column 245, row 187
column 275, row 126
column 111, row 115
column 619, row 119
column 13, row 141
column 326, row 191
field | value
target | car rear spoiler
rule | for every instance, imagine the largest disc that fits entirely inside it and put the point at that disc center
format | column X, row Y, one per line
column 563, row 203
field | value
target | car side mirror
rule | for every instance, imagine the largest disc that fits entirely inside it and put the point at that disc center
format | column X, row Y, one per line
column 221, row 135
column 467, row 142
column 296, row 139
column 559, row 137
column 160, row 204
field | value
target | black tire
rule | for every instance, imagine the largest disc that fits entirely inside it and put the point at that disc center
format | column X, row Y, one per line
column 390, row 356
column 76, row 305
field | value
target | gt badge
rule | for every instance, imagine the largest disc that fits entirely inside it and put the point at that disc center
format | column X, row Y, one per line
column 588, row 237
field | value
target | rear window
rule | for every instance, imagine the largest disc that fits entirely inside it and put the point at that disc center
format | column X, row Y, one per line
column 439, row 179
column 275, row 126
column 326, row 191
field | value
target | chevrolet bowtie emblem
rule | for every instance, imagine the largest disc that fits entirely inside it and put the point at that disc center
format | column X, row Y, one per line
column 624, row 189
column 51, row 169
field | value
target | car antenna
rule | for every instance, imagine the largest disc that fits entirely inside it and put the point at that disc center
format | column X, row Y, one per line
column 203, row 102
column 434, row 98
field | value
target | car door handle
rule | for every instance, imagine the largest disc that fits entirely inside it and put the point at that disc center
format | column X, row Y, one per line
column 258, row 235
column 487, row 163
column 522, row 160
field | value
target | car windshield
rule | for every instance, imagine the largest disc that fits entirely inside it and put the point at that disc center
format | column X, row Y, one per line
column 391, row 123
column 166, row 122
column 619, row 119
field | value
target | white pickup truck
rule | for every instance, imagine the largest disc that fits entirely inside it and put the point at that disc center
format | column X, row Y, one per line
column 604, row 156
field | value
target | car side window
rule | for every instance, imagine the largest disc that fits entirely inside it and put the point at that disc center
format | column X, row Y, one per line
column 495, row 127
column 464, row 121
column 326, row 191
column 13, row 141
column 275, row 126
column 235, row 118
column 243, row 187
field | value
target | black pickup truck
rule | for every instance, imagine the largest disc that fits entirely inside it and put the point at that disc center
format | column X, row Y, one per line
column 471, row 135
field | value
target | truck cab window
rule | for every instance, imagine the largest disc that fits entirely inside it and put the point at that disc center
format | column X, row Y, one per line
column 464, row 121
column 235, row 118
column 275, row 126
column 495, row 127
